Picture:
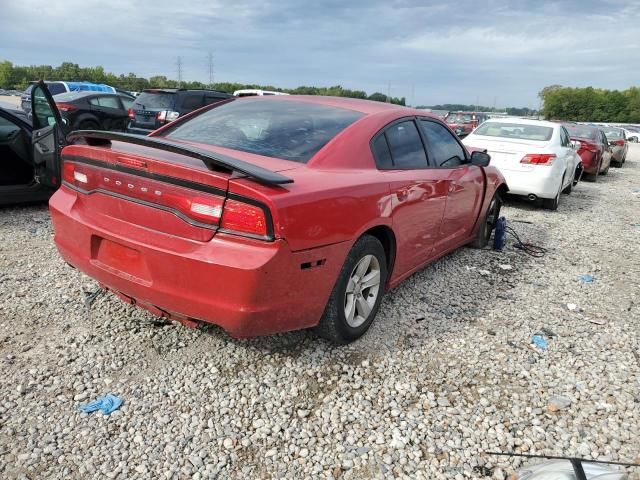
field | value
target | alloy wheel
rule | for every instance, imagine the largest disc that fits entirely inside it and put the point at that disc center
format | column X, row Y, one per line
column 362, row 291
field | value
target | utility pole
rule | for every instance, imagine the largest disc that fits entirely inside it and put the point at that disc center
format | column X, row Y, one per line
column 179, row 70
column 210, row 59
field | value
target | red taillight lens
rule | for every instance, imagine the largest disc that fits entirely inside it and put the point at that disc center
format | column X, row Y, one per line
column 619, row 142
column 66, row 107
column 244, row 218
column 131, row 113
column 538, row 158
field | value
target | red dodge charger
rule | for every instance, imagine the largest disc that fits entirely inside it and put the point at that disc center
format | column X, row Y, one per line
column 270, row 214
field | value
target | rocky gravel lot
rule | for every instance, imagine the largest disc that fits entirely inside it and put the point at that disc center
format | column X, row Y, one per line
column 446, row 374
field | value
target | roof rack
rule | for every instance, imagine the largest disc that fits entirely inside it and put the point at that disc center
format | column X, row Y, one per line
column 210, row 159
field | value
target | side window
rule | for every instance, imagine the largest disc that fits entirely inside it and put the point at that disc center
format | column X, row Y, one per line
column 127, row 102
column 405, row 144
column 191, row 102
column 564, row 138
column 7, row 129
column 381, row 152
column 446, row 151
column 108, row 102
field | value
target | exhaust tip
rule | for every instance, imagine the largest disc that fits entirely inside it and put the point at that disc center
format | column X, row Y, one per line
column 532, row 197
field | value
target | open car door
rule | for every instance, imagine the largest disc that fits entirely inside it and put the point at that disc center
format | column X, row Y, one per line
column 48, row 136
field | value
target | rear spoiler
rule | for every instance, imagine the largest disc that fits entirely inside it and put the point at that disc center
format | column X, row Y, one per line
column 210, row 159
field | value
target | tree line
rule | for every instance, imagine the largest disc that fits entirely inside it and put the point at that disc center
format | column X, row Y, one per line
column 459, row 107
column 591, row 104
column 18, row 77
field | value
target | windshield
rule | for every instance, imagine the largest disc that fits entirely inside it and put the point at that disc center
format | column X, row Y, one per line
column 458, row 118
column 613, row 133
column 581, row 131
column 515, row 130
column 153, row 100
column 283, row 129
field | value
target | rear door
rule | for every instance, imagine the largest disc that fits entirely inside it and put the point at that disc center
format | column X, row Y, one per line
column 465, row 184
column 417, row 198
column 109, row 111
column 48, row 136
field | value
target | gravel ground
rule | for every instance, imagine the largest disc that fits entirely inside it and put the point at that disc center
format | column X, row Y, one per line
column 446, row 373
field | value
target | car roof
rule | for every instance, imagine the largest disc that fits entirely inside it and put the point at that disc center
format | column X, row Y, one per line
column 368, row 107
column 77, row 95
column 525, row 121
column 176, row 90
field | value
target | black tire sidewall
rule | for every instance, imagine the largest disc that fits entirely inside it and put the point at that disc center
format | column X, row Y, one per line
column 334, row 313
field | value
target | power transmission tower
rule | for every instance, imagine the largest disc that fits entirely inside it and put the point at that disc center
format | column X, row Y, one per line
column 210, row 58
column 179, row 69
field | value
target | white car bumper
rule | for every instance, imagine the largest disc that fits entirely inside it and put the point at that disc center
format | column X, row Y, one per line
column 541, row 181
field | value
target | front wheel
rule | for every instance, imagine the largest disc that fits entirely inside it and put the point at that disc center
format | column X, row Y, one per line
column 357, row 294
column 488, row 223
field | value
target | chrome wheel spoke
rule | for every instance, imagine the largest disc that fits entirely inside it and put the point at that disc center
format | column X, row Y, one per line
column 350, row 308
column 351, row 286
column 363, row 266
column 364, row 309
column 371, row 279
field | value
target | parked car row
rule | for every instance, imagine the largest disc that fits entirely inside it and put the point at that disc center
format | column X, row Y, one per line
column 274, row 213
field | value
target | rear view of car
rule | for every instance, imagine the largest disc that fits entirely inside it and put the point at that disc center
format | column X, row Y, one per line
column 154, row 108
column 593, row 149
column 536, row 158
column 618, row 141
column 463, row 123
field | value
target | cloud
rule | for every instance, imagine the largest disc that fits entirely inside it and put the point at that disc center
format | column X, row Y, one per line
column 431, row 52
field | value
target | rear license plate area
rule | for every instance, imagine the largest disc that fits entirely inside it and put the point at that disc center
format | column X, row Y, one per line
column 117, row 259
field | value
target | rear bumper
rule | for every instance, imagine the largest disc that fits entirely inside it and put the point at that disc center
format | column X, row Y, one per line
column 540, row 181
column 248, row 287
column 589, row 162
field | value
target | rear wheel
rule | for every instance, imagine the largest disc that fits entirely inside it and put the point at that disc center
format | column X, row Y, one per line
column 357, row 294
column 489, row 222
column 88, row 125
column 552, row 203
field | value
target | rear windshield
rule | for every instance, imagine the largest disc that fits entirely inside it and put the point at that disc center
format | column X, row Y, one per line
column 458, row 118
column 613, row 133
column 581, row 131
column 283, row 129
column 151, row 100
column 515, row 130
column 55, row 88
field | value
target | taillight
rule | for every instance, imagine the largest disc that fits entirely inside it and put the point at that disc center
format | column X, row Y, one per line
column 66, row 107
column 538, row 158
column 619, row 143
column 244, row 218
column 167, row 116
column 131, row 113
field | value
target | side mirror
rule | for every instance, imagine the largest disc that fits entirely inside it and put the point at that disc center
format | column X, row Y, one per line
column 480, row 159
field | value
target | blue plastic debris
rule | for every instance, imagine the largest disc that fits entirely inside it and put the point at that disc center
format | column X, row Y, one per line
column 498, row 236
column 586, row 278
column 107, row 404
column 539, row 341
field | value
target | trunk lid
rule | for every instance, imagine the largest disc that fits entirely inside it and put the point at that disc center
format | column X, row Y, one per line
column 506, row 153
column 160, row 190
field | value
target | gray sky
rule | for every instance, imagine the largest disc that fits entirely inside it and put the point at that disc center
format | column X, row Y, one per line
column 428, row 51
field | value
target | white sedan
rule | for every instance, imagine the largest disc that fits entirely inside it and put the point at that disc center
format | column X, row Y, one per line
column 537, row 158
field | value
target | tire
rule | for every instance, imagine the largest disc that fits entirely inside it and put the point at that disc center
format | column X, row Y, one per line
column 552, row 203
column 488, row 223
column 606, row 170
column 568, row 188
column 336, row 325
column 591, row 177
